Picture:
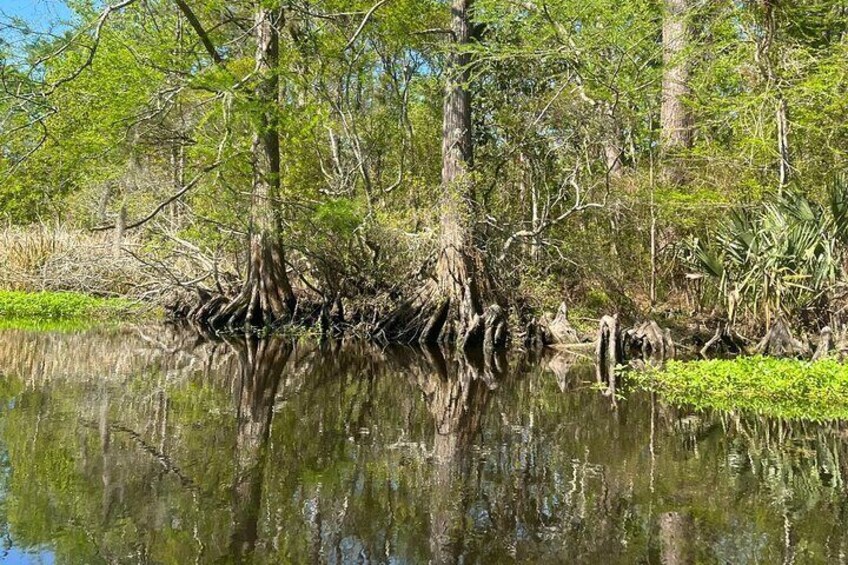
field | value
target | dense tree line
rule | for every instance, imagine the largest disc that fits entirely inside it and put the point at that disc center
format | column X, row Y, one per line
column 434, row 168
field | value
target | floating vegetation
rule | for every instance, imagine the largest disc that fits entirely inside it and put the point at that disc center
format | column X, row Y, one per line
column 20, row 307
column 782, row 388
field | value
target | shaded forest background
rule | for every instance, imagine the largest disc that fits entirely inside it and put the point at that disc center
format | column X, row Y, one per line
column 677, row 157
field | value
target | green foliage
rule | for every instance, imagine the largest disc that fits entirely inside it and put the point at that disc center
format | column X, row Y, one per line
column 340, row 217
column 780, row 258
column 778, row 388
column 555, row 87
column 22, row 306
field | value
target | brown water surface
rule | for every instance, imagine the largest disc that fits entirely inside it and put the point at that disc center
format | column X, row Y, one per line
column 156, row 446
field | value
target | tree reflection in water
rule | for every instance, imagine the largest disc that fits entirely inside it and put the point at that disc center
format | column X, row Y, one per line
column 154, row 446
column 261, row 366
column 456, row 393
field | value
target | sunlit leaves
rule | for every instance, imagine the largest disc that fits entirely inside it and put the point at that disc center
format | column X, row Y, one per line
column 779, row 258
column 775, row 387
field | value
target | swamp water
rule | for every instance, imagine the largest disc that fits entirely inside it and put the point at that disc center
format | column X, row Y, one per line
column 151, row 446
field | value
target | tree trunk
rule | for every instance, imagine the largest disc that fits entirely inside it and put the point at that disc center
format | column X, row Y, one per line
column 612, row 157
column 177, row 178
column 675, row 118
column 267, row 297
column 613, row 150
column 783, row 142
column 457, row 280
column 449, row 310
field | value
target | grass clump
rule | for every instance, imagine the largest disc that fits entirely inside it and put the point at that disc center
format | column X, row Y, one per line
column 22, row 306
column 781, row 388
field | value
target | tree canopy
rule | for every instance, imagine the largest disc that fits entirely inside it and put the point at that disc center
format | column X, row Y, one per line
column 156, row 115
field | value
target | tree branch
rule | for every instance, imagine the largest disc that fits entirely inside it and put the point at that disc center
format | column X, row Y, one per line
column 362, row 24
column 200, row 31
column 166, row 202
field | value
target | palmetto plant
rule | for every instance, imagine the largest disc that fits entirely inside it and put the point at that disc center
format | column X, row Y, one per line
column 781, row 258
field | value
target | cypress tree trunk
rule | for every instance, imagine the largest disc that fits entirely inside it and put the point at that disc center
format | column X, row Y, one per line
column 675, row 118
column 449, row 310
column 267, row 297
column 457, row 279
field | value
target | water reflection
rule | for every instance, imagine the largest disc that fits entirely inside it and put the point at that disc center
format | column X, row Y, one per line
column 456, row 395
column 155, row 446
column 261, row 366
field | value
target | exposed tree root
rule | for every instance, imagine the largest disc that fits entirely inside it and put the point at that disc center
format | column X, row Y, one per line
column 648, row 342
column 779, row 342
column 333, row 317
column 547, row 332
column 724, row 341
column 429, row 318
column 266, row 300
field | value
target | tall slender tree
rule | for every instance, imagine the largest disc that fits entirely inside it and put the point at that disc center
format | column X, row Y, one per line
column 456, row 268
column 450, row 310
column 675, row 117
column 266, row 297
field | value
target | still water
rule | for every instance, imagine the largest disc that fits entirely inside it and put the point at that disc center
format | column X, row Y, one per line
column 154, row 446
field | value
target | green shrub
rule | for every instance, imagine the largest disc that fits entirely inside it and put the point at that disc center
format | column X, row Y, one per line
column 778, row 259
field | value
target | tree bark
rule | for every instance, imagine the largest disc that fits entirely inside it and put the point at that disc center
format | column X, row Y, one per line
column 266, row 298
column 457, row 279
column 675, row 117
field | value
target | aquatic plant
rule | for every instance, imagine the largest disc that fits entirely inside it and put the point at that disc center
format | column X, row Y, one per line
column 58, row 306
column 782, row 388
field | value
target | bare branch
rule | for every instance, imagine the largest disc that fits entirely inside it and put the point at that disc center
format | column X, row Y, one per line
column 179, row 194
column 363, row 23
